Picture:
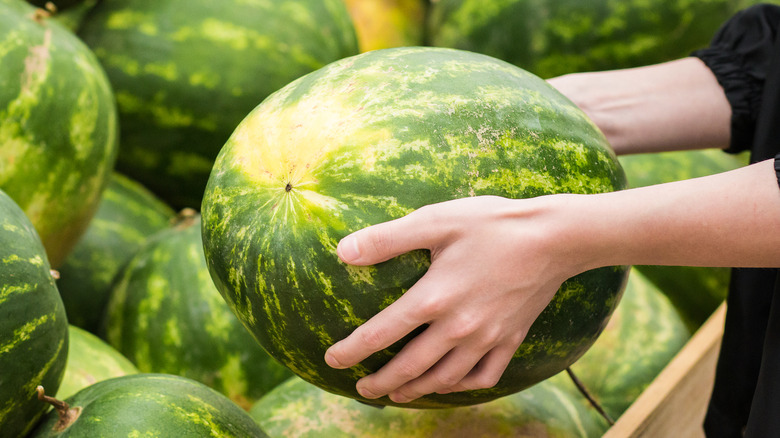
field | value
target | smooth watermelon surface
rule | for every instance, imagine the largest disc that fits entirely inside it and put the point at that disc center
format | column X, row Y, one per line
column 185, row 72
column 297, row 409
column 58, row 126
column 127, row 215
column 554, row 37
column 33, row 326
column 371, row 138
column 166, row 316
column 151, row 405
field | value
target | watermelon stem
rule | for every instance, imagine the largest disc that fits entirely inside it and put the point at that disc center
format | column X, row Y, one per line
column 185, row 218
column 67, row 414
column 581, row 387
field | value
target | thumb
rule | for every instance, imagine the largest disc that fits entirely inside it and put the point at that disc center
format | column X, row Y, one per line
column 381, row 242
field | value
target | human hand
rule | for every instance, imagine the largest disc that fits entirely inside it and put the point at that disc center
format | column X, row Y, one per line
column 495, row 265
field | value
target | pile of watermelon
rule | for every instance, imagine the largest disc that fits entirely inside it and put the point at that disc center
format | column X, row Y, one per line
column 175, row 176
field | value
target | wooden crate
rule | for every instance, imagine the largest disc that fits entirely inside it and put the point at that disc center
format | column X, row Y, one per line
column 675, row 403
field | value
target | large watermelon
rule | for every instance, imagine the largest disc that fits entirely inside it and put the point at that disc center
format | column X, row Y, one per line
column 58, row 126
column 371, row 138
column 33, row 326
column 127, row 215
column 382, row 24
column 90, row 360
column 149, row 405
column 554, row 37
column 642, row 336
column 185, row 72
column 166, row 316
column 297, row 409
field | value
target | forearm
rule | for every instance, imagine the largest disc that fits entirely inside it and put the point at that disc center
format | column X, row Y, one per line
column 671, row 106
column 728, row 219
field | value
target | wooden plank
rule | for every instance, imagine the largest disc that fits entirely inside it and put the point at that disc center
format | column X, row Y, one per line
column 675, row 403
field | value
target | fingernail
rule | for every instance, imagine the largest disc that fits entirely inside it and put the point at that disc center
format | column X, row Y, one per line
column 366, row 393
column 331, row 360
column 399, row 398
column 348, row 249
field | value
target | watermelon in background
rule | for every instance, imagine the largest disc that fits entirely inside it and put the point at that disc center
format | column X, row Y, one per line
column 72, row 17
column 642, row 336
column 371, row 138
column 185, row 72
column 555, row 37
column 90, row 360
column 33, row 326
column 127, row 215
column 60, row 5
column 149, row 405
column 297, row 409
column 166, row 316
column 58, row 126
column 695, row 291
column 382, row 24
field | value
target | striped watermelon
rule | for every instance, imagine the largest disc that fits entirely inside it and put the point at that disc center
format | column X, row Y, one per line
column 33, row 326
column 58, row 126
column 150, row 405
column 554, row 37
column 695, row 291
column 382, row 24
column 371, row 138
column 166, row 316
column 297, row 409
column 185, row 72
column 90, row 360
column 643, row 335
column 127, row 215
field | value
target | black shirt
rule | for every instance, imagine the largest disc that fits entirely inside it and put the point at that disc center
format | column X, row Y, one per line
column 745, row 57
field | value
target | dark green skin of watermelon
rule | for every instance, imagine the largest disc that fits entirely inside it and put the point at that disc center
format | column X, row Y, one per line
column 58, row 139
column 555, row 37
column 155, row 405
column 219, row 59
column 33, row 326
column 276, row 206
column 166, row 316
column 127, row 215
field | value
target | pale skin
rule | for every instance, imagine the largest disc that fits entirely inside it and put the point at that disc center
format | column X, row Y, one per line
column 496, row 262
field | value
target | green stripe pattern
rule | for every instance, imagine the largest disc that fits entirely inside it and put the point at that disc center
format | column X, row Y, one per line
column 58, row 126
column 152, row 405
column 371, row 138
column 185, row 72
column 166, row 316
column 33, row 326
column 127, row 215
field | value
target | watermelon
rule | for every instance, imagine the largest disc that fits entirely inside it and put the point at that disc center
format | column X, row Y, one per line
column 371, row 138
column 695, row 291
column 554, row 37
column 33, row 326
column 90, row 360
column 298, row 409
column 185, row 72
column 643, row 335
column 148, row 405
column 58, row 126
column 127, row 215
column 72, row 17
column 382, row 24
column 166, row 316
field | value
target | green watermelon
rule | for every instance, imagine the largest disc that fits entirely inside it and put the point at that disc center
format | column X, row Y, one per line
column 166, row 316
column 90, row 360
column 33, row 326
column 297, row 409
column 148, row 405
column 127, row 215
column 695, row 291
column 371, row 138
column 643, row 335
column 72, row 17
column 58, row 126
column 554, row 37
column 185, row 72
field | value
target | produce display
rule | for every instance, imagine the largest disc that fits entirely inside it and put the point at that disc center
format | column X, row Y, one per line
column 405, row 127
column 275, row 128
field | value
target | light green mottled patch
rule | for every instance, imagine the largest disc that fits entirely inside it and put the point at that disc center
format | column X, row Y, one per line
column 167, row 70
column 23, row 333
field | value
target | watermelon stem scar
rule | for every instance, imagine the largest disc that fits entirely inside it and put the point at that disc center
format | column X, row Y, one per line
column 67, row 414
column 288, row 187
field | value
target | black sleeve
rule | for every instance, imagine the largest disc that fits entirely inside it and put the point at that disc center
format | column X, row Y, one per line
column 739, row 55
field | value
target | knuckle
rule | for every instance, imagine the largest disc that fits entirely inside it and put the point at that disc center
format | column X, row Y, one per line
column 382, row 240
column 463, row 327
column 446, row 380
column 371, row 338
column 407, row 370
